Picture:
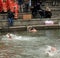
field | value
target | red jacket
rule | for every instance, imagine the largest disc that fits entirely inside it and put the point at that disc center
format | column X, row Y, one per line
column 16, row 7
column 4, row 7
column 16, row 10
column 10, row 5
column 1, row 5
column 7, row 2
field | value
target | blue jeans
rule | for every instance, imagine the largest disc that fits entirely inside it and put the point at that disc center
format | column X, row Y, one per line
column 10, row 21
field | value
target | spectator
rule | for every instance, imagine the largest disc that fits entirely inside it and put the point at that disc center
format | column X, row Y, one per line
column 48, row 12
column 34, row 11
column 20, row 2
column 38, row 6
column 26, row 4
column 40, row 10
column 10, row 18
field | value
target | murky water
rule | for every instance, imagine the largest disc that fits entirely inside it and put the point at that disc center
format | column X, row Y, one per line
column 29, row 45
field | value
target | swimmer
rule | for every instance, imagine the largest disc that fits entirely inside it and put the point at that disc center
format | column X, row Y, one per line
column 50, row 50
column 53, row 49
column 9, row 35
column 31, row 29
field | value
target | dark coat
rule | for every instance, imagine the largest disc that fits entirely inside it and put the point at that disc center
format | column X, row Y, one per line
column 10, row 14
column 48, row 14
column 20, row 2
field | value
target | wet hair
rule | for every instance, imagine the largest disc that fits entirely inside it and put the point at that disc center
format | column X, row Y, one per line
column 31, row 28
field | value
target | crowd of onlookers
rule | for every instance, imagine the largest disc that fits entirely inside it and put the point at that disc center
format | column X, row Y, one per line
column 44, row 13
column 17, row 6
column 35, row 9
column 13, row 7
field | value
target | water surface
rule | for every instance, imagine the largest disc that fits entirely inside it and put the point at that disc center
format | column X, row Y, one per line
column 29, row 45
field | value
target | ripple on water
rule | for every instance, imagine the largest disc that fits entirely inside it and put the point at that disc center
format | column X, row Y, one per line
column 27, row 47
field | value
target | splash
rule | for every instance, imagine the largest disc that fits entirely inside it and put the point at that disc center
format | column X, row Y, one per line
column 51, row 51
column 16, row 37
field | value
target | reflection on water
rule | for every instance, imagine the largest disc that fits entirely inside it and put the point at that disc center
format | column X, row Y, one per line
column 29, row 45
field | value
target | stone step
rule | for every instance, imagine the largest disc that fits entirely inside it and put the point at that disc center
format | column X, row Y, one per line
column 20, row 16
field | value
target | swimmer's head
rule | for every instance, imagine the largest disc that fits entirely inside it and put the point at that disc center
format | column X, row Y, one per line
column 9, row 36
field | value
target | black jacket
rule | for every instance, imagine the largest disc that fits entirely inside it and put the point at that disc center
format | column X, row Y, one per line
column 10, row 14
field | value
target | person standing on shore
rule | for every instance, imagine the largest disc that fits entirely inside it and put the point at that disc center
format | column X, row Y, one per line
column 10, row 17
